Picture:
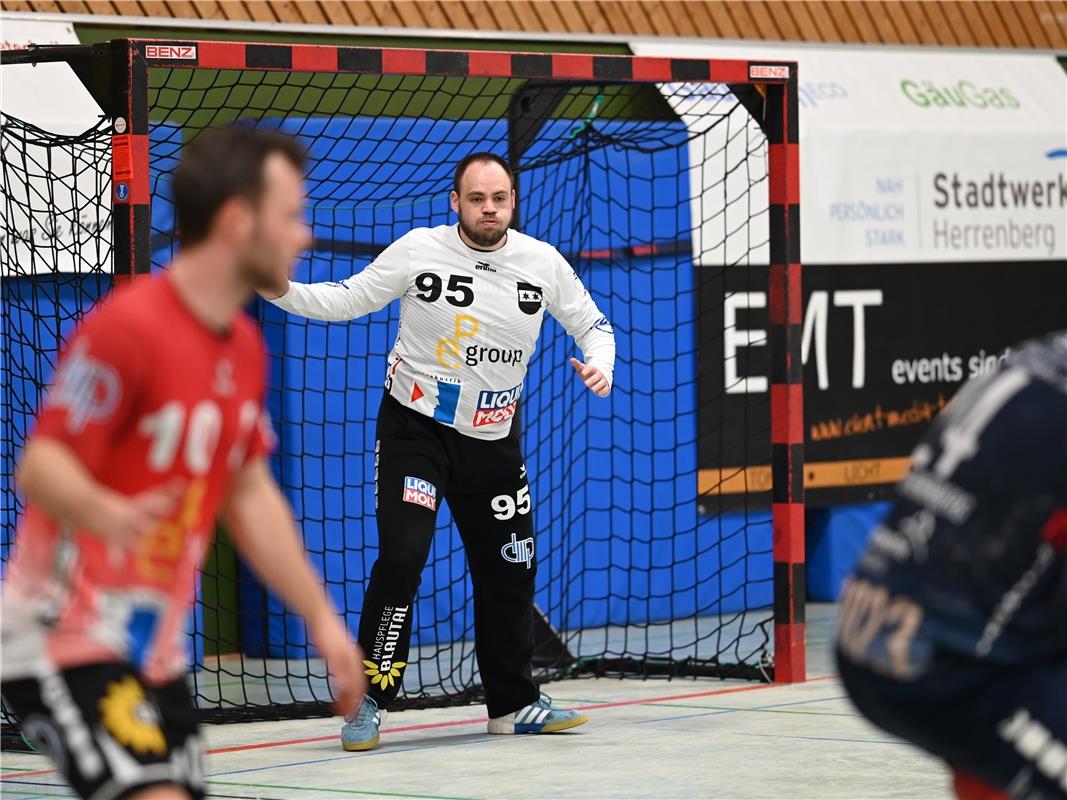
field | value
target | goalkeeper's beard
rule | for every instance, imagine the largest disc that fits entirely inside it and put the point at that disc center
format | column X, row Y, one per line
column 484, row 239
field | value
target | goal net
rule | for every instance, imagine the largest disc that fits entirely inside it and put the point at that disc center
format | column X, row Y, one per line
column 648, row 564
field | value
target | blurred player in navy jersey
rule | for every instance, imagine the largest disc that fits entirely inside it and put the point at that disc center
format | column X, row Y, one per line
column 154, row 426
column 953, row 630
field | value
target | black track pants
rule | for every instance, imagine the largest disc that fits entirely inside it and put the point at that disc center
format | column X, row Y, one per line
column 420, row 462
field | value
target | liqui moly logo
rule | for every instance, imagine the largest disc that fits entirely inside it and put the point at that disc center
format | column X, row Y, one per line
column 496, row 407
column 420, row 492
column 171, row 52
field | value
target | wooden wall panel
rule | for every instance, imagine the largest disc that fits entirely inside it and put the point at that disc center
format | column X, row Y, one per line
column 234, row 11
column 1012, row 24
column 744, row 24
column 639, row 21
column 455, row 12
column 504, row 17
column 387, row 14
column 1059, row 9
column 983, row 36
column 335, row 12
column 938, row 24
column 570, row 16
column 365, row 14
column 868, row 30
column 661, row 19
column 712, row 20
column 958, row 20
column 993, row 22
column 967, row 23
column 898, row 17
column 826, row 22
column 782, row 17
column 809, row 30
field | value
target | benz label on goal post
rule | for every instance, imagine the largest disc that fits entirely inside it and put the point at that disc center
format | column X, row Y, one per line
column 768, row 71
column 174, row 51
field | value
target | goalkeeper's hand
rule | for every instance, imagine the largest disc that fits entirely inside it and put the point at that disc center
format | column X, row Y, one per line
column 593, row 378
column 275, row 290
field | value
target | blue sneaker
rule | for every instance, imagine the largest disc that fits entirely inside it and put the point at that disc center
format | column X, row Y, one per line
column 539, row 717
column 361, row 726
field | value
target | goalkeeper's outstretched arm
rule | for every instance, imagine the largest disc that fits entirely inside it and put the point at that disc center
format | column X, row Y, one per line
column 570, row 303
column 382, row 281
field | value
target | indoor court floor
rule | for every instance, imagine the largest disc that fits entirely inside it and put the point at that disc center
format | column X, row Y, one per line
column 645, row 739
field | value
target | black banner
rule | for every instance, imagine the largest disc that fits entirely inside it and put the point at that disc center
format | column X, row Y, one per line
column 885, row 348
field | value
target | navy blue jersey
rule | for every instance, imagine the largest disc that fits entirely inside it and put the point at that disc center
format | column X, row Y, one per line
column 972, row 559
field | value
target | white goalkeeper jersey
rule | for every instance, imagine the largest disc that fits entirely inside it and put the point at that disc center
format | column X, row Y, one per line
column 469, row 321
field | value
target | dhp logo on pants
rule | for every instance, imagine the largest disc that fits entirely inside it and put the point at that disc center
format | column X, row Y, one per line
column 518, row 552
column 420, row 492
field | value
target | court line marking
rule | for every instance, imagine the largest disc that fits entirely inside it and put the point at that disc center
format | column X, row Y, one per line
column 720, row 711
column 348, row 792
column 384, row 750
column 481, row 720
column 767, row 710
column 35, row 791
column 899, row 742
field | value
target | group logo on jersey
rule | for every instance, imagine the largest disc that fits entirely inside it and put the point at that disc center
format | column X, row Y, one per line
column 452, row 354
column 519, row 551
column 530, row 297
column 496, row 407
column 420, row 493
column 493, row 355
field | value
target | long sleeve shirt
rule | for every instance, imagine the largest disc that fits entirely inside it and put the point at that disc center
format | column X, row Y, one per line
column 469, row 321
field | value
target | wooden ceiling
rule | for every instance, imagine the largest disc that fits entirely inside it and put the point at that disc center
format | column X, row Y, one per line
column 986, row 23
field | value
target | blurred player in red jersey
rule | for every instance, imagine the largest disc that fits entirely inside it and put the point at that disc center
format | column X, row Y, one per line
column 154, row 426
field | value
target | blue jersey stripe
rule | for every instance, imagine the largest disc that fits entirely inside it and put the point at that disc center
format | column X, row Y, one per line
column 447, row 402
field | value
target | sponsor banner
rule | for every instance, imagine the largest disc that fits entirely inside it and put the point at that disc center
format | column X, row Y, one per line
column 884, row 348
column 928, row 156
column 420, row 492
column 496, row 407
column 53, row 221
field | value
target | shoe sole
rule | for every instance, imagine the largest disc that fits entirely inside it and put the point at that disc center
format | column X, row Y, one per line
column 553, row 727
column 566, row 724
column 355, row 747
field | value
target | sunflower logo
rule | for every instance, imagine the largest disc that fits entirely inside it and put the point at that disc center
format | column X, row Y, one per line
column 384, row 678
column 131, row 719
